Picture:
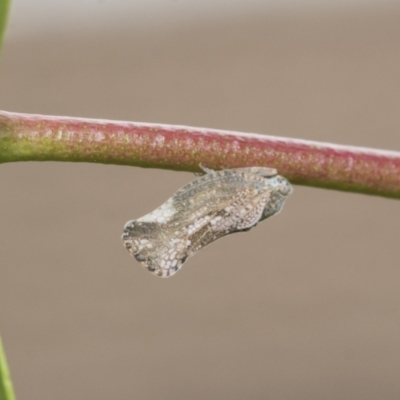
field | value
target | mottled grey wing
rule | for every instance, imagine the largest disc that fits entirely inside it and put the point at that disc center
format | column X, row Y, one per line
column 208, row 208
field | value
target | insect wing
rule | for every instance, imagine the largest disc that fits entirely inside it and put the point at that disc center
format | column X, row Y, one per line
column 212, row 206
column 203, row 211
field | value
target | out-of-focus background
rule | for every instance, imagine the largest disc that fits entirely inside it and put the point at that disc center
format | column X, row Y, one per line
column 305, row 306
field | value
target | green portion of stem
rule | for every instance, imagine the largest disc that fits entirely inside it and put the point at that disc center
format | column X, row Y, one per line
column 25, row 137
column 4, row 9
column 6, row 388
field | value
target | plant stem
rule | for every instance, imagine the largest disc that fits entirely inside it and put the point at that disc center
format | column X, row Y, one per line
column 4, row 10
column 26, row 137
column 6, row 388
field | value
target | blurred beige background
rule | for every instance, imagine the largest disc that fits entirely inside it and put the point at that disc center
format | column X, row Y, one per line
column 306, row 306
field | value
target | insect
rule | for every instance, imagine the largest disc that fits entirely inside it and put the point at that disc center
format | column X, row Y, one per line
column 214, row 205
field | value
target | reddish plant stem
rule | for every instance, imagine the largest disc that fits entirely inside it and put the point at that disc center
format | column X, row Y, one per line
column 25, row 137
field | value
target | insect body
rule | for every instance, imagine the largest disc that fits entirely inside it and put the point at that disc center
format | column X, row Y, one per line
column 212, row 206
